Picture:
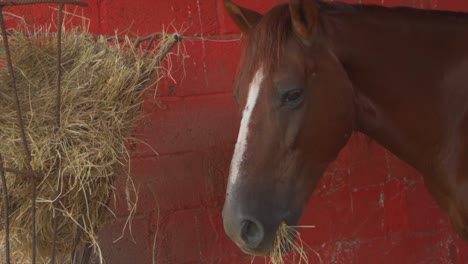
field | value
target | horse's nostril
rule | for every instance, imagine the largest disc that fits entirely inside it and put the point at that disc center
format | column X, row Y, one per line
column 251, row 233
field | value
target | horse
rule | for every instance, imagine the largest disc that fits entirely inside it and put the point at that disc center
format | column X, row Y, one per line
column 312, row 73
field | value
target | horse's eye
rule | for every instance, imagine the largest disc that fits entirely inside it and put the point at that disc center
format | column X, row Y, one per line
column 292, row 98
column 293, row 95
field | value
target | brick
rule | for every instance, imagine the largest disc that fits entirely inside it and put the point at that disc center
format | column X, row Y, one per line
column 368, row 172
column 400, row 170
column 41, row 15
column 32, row 15
column 423, row 213
column 389, row 3
column 137, row 246
column 343, row 215
column 337, row 252
column 342, row 161
column 209, row 68
column 458, row 249
column 358, row 143
column 184, row 181
column 188, row 125
column 147, row 17
column 374, row 251
column 230, row 253
column 200, row 178
column 364, row 159
column 430, row 248
column 333, row 180
column 187, row 236
column 416, row 249
column 367, row 214
column 216, row 163
column 227, row 25
column 330, row 212
column 183, row 243
column 451, row 5
column 395, row 208
column 196, row 236
column 129, row 196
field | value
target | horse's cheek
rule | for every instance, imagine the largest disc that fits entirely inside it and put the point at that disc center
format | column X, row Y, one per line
column 293, row 130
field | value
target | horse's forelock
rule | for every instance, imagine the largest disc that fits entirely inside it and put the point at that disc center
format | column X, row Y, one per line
column 265, row 44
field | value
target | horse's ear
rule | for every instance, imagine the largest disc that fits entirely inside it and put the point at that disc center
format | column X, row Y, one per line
column 244, row 18
column 304, row 17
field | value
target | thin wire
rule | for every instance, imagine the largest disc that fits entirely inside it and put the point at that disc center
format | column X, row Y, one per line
column 27, row 152
column 58, row 122
column 6, row 217
column 33, row 2
column 237, row 38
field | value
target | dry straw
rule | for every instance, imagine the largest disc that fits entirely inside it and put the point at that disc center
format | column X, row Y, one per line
column 287, row 239
column 103, row 85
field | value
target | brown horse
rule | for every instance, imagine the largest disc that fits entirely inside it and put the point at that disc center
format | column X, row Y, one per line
column 314, row 72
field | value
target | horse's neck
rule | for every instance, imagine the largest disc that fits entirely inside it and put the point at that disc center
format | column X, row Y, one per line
column 409, row 70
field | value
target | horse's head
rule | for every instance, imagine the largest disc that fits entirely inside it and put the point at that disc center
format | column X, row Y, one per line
column 298, row 114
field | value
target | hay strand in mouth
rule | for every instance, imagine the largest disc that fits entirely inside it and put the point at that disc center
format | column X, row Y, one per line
column 103, row 85
column 286, row 237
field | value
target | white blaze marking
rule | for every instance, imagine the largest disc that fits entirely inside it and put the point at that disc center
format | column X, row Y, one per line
column 241, row 145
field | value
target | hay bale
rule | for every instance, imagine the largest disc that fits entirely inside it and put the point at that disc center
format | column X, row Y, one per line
column 103, row 84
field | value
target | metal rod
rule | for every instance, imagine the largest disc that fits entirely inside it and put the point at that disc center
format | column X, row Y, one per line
column 19, row 111
column 76, row 241
column 59, row 67
column 6, row 217
column 27, row 152
column 139, row 40
column 55, row 221
column 74, row 256
column 58, row 125
column 163, row 53
column 149, row 45
column 20, row 172
column 32, row 2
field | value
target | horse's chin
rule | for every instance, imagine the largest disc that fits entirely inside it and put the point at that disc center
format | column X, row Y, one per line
column 285, row 250
column 254, row 253
column 258, row 252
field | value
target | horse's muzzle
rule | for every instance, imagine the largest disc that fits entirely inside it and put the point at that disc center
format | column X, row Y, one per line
column 251, row 233
column 248, row 234
column 254, row 233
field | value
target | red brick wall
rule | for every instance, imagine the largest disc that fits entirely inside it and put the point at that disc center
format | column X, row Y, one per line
column 369, row 207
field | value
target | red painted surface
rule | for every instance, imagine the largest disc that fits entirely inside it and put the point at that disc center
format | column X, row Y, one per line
column 369, row 208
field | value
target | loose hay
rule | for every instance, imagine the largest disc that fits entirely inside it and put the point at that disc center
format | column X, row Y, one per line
column 103, row 83
column 285, row 240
